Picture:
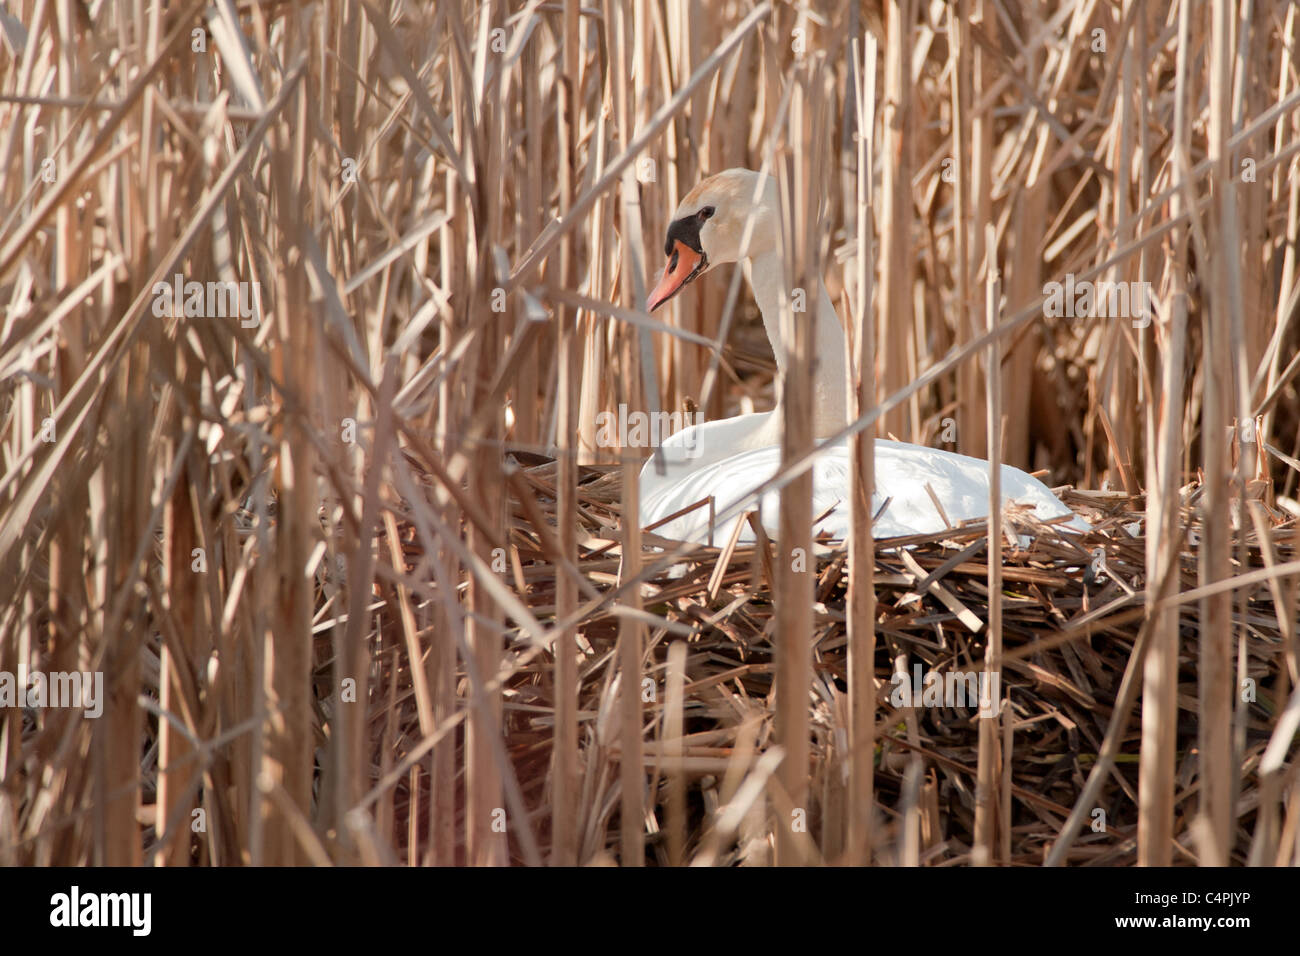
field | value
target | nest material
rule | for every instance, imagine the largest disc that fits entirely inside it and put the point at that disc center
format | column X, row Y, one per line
column 1072, row 608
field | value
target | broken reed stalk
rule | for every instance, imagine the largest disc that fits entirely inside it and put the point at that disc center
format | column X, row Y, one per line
column 673, row 751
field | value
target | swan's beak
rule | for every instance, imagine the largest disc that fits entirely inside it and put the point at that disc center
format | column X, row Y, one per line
column 683, row 265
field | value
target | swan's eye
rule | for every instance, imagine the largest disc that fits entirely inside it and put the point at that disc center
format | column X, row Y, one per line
column 706, row 213
column 672, row 263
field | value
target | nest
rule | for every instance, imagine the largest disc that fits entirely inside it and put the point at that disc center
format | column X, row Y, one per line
column 1073, row 607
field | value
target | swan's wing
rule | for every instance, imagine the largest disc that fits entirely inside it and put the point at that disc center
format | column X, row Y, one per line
column 960, row 484
column 725, row 482
column 734, row 479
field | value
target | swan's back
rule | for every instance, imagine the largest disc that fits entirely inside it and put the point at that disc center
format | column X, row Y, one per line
column 959, row 483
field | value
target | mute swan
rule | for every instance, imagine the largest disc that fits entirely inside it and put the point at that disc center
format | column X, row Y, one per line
column 729, row 458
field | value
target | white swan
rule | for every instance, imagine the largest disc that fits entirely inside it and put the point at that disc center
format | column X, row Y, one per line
column 727, row 459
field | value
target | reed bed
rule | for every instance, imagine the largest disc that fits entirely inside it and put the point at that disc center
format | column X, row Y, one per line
column 364, row 577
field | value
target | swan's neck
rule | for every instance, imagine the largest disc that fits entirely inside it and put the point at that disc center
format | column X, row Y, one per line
column 766, row 273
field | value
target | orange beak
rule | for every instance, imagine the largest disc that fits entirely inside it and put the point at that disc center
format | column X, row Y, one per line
column 683, row 265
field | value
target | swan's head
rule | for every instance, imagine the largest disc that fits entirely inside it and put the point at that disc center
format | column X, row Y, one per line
column 708, row 228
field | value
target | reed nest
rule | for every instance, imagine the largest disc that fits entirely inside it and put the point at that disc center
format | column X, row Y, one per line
column 1073, row 623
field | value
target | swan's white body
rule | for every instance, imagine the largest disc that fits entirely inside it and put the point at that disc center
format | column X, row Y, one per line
column 960, row 484
column 727, row 460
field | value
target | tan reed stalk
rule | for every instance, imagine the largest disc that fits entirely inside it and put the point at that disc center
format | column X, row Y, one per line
column 795, row 565
column 1216, row 631
column 1024, row 265
column 286, row 641
column 895, row 222
column 1116, row 381
column 673, row 751
column 794, row 538
column 631, row 636
column 564, row 787
column 960, row 82
column 986, row 788
column 862, row 552
column 631, row 642
column 1284, row 313
column 444, row 834
column 486, row 623
column 979, row 72
column 1164, row 470
column 1240, row 223
column 66, row 605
